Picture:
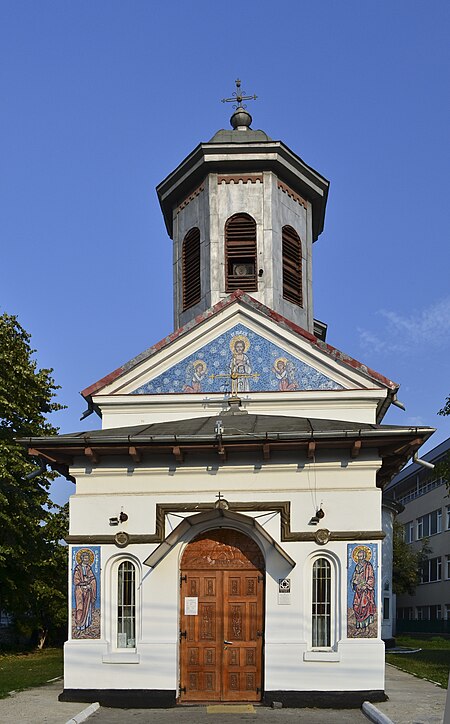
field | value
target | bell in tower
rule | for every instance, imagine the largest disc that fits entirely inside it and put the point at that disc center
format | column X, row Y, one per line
column 243, row 212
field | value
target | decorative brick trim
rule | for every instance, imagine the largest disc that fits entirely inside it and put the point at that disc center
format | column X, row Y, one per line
column 287, row 190
column 281, row 507
column 191, row 197
column 239, row 177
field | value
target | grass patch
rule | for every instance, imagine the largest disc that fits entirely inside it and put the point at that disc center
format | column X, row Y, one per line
column 20, row 671
column 432, row 663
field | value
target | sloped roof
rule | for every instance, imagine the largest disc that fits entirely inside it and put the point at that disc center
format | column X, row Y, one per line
column 244, row 299
column 235, row 431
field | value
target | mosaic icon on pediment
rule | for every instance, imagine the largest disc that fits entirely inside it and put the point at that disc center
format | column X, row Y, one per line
column 236, row 362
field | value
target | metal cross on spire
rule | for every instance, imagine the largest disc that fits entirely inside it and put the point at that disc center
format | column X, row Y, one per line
column 238, row 96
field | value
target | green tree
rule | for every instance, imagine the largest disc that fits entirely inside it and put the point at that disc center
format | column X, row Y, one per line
column 442, row 468
column 30, row 526
column 407, row 562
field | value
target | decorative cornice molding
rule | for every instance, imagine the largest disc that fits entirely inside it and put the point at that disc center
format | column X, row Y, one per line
column 191, row 197
column 283, row 508
column 239, row 177
column 296, row 197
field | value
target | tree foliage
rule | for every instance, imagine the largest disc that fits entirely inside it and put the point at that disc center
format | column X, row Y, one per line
column 407, row 562
column 442, row 468
column 31, row 556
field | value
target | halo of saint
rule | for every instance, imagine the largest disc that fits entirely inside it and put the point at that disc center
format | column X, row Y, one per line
column 81, row 552
column 239, row 338
column 367, row 553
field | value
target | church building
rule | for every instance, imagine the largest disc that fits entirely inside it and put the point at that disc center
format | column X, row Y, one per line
column 226, row 521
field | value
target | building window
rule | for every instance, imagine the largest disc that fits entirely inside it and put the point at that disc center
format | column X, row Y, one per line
column 409, row 531
column 422, row 613
column 431, row 570
column 126, row 606
column 240, row 254
column 429, row 524
column 447, row 567
column 447, row 518
column 435, row 612
column 292, row 266
column 321, row 603
column 191, row 268
column 447, row 611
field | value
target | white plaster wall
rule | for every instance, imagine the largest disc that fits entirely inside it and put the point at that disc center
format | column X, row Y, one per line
column 350, row 499
column 334, row 406
column 155, row 663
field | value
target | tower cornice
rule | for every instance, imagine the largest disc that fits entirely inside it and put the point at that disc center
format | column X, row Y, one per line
column 241, row 156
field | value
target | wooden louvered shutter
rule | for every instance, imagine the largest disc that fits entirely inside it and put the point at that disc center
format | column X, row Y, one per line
column 292, row 266
column 240, row 254
column 191, row 268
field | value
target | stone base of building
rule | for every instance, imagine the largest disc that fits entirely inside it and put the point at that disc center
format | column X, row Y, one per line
column 163, row 699
column 123, row 698
column 323, row 699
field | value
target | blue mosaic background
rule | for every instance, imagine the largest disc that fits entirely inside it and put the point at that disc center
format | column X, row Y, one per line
column 267, row 368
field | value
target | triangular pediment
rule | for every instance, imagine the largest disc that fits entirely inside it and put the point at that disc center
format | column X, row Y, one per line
column 238, row 346
column 239, row 360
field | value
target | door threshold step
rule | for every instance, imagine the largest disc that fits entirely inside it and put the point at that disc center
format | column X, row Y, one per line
column 230, row 709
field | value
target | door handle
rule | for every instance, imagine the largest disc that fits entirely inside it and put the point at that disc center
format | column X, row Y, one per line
column 228, row 642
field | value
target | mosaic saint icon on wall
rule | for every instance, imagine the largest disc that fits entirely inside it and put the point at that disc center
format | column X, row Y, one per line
column 86, row 592
column 238, row 361
column 362, row 571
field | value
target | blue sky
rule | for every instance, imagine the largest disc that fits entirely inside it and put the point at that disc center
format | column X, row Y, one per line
column 101, row 100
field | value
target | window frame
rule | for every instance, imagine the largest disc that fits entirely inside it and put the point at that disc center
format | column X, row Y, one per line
column 191, row 282
column 121, row 618
column 323, row 652
column 240, row 225
column 291, row 266
column 426, row 570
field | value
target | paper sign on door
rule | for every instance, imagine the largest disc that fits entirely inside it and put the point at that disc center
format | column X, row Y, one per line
column 191, row 606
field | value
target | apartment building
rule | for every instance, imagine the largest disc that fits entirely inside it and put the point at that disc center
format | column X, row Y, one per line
column 426, row 518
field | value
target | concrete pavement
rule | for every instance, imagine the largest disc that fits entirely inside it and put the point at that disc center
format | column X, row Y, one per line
column 411, row 701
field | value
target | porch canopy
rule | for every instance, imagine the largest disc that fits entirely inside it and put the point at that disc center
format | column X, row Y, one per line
column 222, row 519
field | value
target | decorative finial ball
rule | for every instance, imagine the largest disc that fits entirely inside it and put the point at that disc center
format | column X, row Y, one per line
column 240, row 118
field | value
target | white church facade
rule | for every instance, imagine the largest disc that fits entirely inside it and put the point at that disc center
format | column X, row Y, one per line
column 226, row 524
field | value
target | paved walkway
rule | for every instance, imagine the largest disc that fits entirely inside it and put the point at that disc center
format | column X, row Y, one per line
column 411, row 701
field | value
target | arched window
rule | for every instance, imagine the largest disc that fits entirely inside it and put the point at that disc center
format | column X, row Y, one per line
column 321, row 603
column 240, row 254
column 126, row 606
column 191, row 268
column 292, row 266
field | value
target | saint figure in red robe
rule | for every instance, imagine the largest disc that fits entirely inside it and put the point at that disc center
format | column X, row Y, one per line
column 363, row 584
column 85, row 585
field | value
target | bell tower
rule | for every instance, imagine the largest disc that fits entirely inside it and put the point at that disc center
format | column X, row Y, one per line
column 243, row 212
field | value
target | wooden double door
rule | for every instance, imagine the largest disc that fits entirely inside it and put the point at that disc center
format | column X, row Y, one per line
column 221, row 618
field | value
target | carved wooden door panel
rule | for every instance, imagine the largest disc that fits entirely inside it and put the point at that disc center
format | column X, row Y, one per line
column 221, row 635
column 201, row 640
column 242, row 657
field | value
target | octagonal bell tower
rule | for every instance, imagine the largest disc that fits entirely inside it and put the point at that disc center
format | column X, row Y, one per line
column 243, row 212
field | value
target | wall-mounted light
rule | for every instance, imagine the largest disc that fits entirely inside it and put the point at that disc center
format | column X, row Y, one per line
column 315, row 520
column 118, row 519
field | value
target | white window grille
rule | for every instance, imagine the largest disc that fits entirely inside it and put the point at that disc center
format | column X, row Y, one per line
column 126, row 606
column 429, row 524
column 321, row 603
column 431, row 570
column 409, row 531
